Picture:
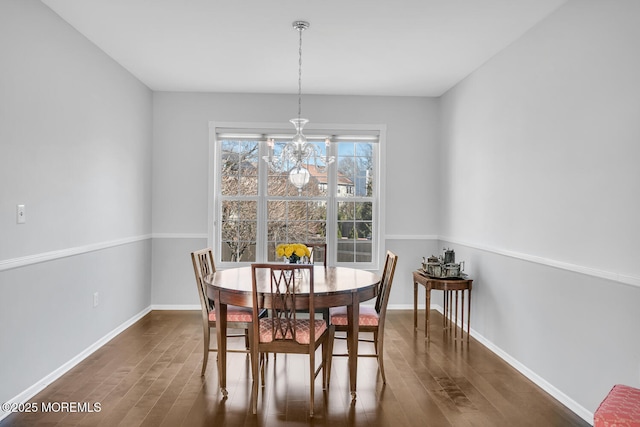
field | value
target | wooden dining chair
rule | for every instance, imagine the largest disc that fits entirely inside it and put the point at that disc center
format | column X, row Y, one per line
column 318, row 253
column 283, row 331
column 237, row 317
column 371, row 319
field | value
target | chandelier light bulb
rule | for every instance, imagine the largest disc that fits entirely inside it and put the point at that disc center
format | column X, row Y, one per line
column 299, row 177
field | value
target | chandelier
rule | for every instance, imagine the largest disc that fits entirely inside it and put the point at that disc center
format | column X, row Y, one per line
column 298, row 152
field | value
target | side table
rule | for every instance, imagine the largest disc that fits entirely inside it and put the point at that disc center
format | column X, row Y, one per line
column 449, row 286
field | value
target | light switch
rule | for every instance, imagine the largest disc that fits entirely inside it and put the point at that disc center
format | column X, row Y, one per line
column 21, row 214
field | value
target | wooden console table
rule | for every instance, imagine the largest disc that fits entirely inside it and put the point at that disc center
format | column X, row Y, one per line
column 448, row 286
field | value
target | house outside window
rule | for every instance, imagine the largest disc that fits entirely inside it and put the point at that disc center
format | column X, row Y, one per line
column 255, row 208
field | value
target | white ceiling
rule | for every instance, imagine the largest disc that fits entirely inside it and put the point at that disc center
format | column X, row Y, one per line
column 353, row 47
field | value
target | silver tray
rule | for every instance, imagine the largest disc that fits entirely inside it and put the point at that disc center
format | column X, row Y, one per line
column 459, row 276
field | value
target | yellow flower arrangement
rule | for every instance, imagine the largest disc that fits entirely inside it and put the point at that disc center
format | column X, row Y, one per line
column 293, row 251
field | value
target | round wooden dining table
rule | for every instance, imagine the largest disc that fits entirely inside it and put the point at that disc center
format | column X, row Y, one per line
column 333, row 287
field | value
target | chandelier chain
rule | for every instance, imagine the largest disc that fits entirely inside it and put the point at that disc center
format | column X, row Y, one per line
column 300, row 29
column 296, row 155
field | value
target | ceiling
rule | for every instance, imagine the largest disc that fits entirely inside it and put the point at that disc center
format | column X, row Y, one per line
column 354, row 47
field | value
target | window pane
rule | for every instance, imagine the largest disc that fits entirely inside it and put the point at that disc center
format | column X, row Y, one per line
column 239, row 167
column 276, row 231
column 346, row 210
column 346, row 149
column 364, row 166
column 363, row 251
column 233, row 210
column 345, row 252
column 317, row 210
column 294, row 221
column 229, row 185
column 236, row 252
column 355, row 169
column 271, row 252
column 239, row 228
column 363, row 210
column 363, row 230
column 345, row 230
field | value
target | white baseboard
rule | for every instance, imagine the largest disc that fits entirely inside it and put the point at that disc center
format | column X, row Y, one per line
column 535, row 378
column 26, row 395
column 579, row 410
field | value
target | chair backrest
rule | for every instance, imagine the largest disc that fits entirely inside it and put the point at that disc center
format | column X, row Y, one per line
column 282, row 285
column 203, row 265
column 386, row 281
column 318, row 253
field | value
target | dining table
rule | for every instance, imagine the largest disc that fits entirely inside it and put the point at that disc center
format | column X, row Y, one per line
column 333, row 287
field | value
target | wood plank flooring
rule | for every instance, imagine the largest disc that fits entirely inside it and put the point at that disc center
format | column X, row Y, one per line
column 149, row 375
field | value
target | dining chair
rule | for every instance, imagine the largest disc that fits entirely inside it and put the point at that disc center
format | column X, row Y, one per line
column 283, row 331
column 318, row 253
column 237, row 317
column 371, row 319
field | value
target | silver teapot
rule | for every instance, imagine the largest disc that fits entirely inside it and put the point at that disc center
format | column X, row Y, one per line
column 449, row 256
column 432, row 266
column 453, row 269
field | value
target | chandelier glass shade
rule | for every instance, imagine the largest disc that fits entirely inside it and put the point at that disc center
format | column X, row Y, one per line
column 298, row 153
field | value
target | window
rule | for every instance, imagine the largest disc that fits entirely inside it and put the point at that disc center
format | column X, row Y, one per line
column 256, row 208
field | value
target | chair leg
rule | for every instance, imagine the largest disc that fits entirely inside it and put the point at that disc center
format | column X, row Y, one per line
column 205, row 357
column 246, row 339
column 255, row 358
column 326, row 370
column 379, row 343
column 312, row 377
column 325, row 347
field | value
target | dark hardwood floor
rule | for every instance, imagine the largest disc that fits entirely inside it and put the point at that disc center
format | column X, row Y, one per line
column 150, row 376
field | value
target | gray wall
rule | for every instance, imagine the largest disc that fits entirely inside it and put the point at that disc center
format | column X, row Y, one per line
column 75, row 148
column 181, row 161
column 540, row 151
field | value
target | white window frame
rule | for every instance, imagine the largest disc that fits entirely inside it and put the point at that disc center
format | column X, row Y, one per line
column 378, row 243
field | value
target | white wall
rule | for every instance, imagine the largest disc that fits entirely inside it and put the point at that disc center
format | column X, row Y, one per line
column 180, row 177
column 540, row 150
column 75, row 148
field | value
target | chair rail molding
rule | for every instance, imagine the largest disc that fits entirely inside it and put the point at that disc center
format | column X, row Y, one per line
column 589, row 271
column 411, row 237
column 8, row 264
column 180, row 236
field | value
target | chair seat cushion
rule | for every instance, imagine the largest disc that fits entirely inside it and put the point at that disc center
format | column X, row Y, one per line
column 302, row 330
column 621, row 408
column 368, row 316
column 234, row 314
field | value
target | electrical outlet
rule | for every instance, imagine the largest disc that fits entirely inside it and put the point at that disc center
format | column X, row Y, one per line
column 21, row 214
column 95, row 299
